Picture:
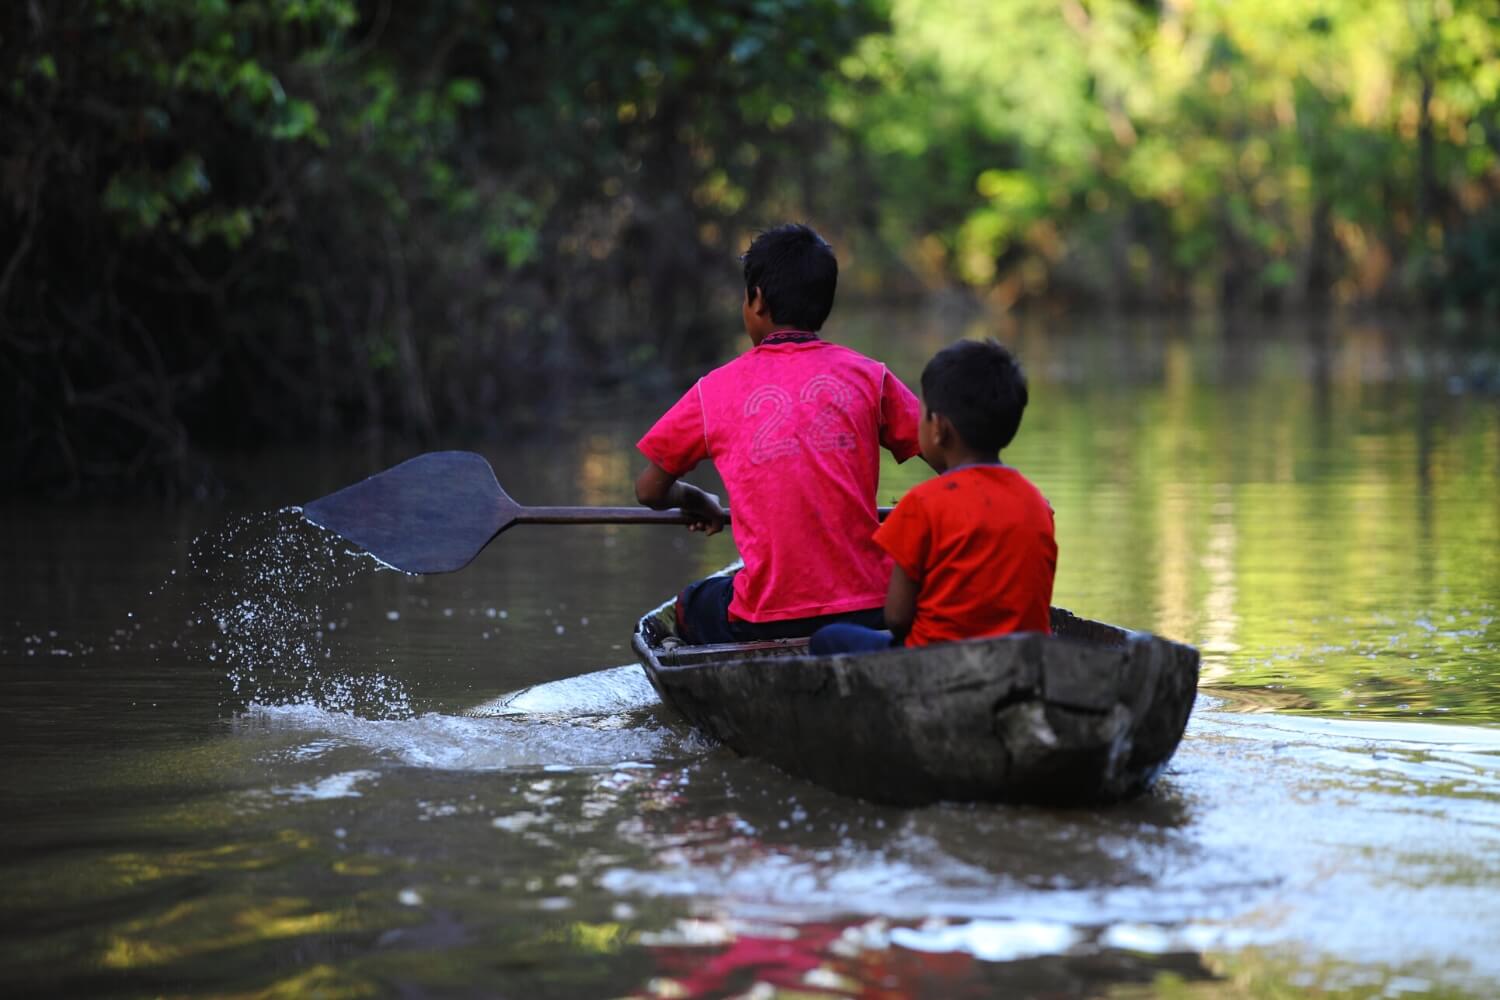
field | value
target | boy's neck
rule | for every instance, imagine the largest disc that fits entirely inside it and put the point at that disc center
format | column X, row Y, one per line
column 958, row 458
column 787, row 335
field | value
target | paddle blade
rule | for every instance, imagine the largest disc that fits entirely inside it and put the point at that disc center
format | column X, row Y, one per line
column 430, row 514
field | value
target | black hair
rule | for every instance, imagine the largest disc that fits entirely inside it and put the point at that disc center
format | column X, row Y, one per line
column 980, row 387
column 796, row 271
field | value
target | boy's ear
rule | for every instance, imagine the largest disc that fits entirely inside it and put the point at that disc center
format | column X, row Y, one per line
column 756, row 299
column 942, row 428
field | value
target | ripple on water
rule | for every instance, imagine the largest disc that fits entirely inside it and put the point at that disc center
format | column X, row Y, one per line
column 1377, row 842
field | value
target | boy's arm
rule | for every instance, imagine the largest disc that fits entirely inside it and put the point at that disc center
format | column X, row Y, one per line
column 905, row 537
column 658, row 489
column 900, row 603
column 900, row 412
column 679, row 440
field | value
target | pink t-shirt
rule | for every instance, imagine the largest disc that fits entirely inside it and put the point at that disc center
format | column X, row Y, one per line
column 795, row 431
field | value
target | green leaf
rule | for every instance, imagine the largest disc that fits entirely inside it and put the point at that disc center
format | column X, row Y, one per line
column 465, row 92
column 298, row 119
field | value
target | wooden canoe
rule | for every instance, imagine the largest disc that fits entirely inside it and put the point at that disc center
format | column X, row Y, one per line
column 1090, row 714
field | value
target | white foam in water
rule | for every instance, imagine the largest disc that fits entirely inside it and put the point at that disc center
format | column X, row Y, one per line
column 448, row 742
column 335, row 786
column 1190, row 937
column 576, row 723
column 990, row 940
column 1137, row 937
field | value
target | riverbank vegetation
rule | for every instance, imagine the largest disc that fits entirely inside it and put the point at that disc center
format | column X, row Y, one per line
column 225, row 224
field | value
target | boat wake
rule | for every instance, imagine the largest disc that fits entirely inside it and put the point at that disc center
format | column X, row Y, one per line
column 1254, row 810
column 1257, row 836
column 601, row 719
column 461, row 743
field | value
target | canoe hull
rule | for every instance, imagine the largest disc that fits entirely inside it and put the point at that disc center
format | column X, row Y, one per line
column 1090, row 714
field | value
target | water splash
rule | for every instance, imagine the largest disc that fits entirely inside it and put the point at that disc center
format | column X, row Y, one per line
column 255, row 605
column 265, row 583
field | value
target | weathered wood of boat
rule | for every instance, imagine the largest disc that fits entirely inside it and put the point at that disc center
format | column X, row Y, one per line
column 1090, row 714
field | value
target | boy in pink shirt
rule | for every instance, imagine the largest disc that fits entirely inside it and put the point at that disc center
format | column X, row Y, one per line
column 795, row 427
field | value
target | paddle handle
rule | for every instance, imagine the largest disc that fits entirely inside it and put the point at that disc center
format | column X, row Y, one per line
column 599, row 515
column 610, row 515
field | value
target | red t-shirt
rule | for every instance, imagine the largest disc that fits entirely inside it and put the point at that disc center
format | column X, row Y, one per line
column 795, row 430
column 979, row 543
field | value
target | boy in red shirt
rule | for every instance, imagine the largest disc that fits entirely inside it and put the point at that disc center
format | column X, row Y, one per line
column 974, row 548
column 795, row 427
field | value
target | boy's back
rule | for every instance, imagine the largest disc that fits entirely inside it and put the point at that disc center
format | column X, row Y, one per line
column 794, row 427
column 980, row 540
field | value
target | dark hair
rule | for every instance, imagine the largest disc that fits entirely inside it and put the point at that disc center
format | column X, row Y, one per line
column 796, row 271
column 980, row 387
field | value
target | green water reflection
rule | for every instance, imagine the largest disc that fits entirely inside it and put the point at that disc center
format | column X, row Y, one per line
column 1317, row 509
column 1313, row 504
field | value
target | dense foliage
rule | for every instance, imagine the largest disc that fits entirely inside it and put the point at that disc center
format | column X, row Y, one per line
column 1230, row 151
column 227, row 222
column 231, row 222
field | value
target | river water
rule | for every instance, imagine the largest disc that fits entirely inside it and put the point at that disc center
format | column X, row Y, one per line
column 241, row 759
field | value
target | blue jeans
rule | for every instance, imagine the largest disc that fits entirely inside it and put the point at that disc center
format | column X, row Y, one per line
column 703, row 617
column 844, row 638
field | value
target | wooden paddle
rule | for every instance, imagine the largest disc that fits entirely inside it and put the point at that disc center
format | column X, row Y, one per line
column 436, row 512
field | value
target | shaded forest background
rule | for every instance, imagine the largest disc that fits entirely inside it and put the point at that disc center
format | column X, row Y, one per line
column 225, row 224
